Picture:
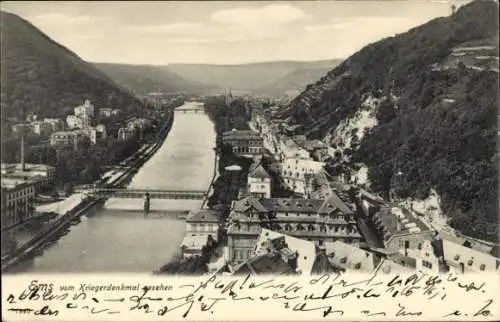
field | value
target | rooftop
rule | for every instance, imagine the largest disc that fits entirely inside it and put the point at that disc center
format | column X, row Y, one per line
column 306, row 249
column 205, row 215
column 399, row 221
column 270, row 263
column 241, row 134
column 258, row 171
column 233, row 167
column 347, row 256
column 327, row 206
column 194, row 241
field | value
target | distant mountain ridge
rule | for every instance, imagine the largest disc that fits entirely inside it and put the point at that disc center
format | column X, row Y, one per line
column 143, row 79
column 251, row 77
column 294, row 82
column 43, row 77
column 417, row 111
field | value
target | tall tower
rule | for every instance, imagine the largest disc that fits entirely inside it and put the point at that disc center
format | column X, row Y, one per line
column 229, row 98
column 453, row 7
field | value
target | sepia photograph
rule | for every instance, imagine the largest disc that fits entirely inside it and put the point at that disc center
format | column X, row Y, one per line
column 234, row 140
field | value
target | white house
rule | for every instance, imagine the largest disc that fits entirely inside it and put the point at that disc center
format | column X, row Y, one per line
column 294, row 170
column 462, row 259
column 74, row 122
column 259, row 182
column 201, row 227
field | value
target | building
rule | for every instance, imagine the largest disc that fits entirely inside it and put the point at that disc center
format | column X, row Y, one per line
column 287, row 148
column 259, row 182
column 317, row 186
column 74, row 122
column 21, row 128
column 85, row 111
column 55, row 124
column 201, row 227
column 400, row 229
column 426, row 258
column 139, row 123
column 294, row 170
column 316, row 148
column 319, row 221
column 125, row 134
column 281, row 254
column 97, row 133
column 41, row 175
column 105, row 111
column 246, row 143
column 41, row 128
column 347, row 257
column 67, row 139
column 17, row 201
column 31, row 117
column 461, row 257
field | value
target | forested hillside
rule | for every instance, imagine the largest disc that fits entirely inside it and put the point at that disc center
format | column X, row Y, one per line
column 419, row 110
column 38, row 75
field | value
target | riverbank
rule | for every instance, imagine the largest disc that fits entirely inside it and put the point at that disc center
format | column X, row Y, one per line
column 129, row 168
column 77, row 204
column 224, row 188
column 49, row 233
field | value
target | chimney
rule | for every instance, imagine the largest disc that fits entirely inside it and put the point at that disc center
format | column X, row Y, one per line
column 23, row 166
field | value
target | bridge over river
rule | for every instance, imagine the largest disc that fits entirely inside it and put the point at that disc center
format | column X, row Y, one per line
column 153, row 194
column 120, row 237
column 191, row 107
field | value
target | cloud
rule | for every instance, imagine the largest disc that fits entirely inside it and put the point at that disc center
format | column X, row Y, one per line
column 198, row 32
column 56, row 18
column 229, row 26
column 271, row 14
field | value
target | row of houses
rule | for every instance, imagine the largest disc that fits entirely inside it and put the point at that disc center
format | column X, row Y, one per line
column 326, row 226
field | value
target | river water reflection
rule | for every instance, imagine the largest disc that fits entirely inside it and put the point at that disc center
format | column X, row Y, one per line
column 117, row 240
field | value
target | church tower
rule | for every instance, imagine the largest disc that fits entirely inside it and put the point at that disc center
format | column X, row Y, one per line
column 229, row 98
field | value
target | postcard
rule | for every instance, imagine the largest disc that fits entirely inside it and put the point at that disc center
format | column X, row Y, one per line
column 249, row 161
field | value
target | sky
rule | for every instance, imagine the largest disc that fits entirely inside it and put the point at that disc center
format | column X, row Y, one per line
column 223, row 32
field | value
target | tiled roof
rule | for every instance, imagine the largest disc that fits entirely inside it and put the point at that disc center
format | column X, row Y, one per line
column 194, row 241
column 271, row 263
column 347, row 256
column 237, row 134
column 247, row 203
column 292, row 205
column 388, row 220
column 205, row 215
column 333, row 202
column 306, row 249
column 259, row 172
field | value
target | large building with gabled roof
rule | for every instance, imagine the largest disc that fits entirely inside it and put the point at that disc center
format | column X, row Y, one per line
column 318, row 221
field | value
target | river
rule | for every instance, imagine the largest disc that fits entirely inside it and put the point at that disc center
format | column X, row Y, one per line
column 120, row 237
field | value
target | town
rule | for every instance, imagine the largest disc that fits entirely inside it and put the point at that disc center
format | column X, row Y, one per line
column 286, row 214
column 372, row 162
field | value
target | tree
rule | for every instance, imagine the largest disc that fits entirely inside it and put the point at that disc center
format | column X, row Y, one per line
column 69, row 188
